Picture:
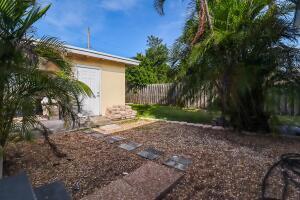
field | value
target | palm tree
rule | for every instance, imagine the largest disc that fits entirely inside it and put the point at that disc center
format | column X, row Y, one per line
column 249, row 53
column 22, row 80
column 203, row 15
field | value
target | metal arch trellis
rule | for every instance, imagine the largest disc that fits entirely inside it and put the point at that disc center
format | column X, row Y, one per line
column 290, row 171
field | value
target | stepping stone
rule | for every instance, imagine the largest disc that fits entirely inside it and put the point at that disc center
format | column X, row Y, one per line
column 52, row 191
column 115, row 139
column 97, row 135
column 178, row 162
column 150, row 181
column 130, row 146
column 150, row 153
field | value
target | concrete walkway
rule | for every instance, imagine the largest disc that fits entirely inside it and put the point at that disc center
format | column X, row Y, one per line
column 150, row 181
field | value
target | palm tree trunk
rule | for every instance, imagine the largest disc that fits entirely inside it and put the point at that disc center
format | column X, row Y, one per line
column 1, row 161
column 210, row 24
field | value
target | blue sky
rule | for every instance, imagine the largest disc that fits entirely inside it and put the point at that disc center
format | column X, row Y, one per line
column 118, row 27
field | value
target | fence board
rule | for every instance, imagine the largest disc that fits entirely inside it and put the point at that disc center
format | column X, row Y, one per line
column 166, row 94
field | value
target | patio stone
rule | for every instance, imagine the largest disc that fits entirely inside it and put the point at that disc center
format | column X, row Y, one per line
column 150, row 153
column 178, row 162
column 150, row 181
column 153, row 180
column 115, row 139
column 116, row 190
column 130, row 146
column 97, row 135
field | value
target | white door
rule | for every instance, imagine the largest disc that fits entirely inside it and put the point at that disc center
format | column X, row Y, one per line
column 91, row 77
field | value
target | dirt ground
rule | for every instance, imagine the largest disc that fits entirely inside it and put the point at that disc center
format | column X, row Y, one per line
column 225, row 165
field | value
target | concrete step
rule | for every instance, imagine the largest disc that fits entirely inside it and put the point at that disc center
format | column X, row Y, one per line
column 150, row 181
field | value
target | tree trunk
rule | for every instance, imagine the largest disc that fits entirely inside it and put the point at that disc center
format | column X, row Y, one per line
column 210, row 23
column 1, row 161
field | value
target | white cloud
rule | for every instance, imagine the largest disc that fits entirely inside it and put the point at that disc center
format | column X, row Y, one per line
column 69, row 19
column 119, row 5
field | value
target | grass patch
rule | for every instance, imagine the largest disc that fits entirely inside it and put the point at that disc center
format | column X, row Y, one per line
column 175, row 113
column 194, row 115
column 289, row 120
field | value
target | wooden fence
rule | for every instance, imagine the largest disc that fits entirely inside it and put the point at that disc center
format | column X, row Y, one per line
column 165, row 94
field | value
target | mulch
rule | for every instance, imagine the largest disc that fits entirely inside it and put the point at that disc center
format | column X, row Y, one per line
column 225, row 165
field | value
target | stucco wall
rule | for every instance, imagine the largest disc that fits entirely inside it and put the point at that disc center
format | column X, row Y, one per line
column 112, row 81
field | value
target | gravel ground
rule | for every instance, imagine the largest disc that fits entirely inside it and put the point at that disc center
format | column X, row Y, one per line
column 225, row 165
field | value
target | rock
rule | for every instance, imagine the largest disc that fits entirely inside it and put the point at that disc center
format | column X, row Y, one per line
column 118, row 112
column 218, row 128
column 76, row 187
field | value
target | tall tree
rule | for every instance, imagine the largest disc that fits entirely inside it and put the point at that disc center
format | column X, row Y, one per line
column 154, row 66
column 249, row 52
column 22, row 80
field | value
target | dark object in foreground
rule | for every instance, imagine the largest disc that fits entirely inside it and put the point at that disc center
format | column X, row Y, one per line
column 19, row 188
column 289, row 130
column 290, row 171
column 16, row 187
column 52, row 191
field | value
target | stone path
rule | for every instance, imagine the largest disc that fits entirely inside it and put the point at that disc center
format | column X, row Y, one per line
column 130, row 146
column 150, row 181
column 178, row 162
column 114, row 139
column 150, row 153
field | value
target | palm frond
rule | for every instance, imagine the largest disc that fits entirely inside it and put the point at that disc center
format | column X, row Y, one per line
column 159, row 6
column 23, row 81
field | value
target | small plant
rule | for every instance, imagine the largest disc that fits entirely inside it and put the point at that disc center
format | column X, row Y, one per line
column 23, row 81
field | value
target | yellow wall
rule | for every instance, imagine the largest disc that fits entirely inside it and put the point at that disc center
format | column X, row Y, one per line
column 112, row 81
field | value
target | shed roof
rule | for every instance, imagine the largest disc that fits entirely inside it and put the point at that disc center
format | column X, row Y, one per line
column 101, row 55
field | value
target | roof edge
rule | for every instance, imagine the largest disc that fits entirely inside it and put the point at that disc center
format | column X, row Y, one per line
column 101, row 55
